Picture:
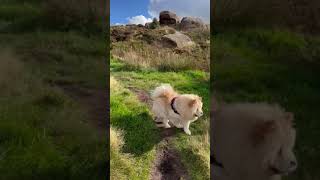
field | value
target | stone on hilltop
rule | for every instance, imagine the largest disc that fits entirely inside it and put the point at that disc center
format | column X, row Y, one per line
column 168, row 18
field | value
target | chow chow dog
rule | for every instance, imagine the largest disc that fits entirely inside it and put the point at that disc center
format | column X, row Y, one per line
column 178, row 109
column 252, row 141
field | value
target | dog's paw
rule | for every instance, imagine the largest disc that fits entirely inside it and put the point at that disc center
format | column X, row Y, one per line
column 187, row 131
column 167, row 126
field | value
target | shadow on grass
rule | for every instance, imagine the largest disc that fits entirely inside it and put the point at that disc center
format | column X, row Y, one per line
column 141, row 135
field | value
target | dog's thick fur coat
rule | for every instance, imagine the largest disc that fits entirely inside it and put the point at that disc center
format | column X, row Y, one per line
column 188, row 108
column 252, row 142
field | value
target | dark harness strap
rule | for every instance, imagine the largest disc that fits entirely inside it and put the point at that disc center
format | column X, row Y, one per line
column 172, row 106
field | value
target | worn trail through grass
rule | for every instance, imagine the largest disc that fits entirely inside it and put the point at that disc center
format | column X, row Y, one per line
column 170, row 149
column 167, row 163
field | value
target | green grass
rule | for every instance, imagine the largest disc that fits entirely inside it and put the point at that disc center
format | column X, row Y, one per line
column 139, row 137
column 46, row 133
column 61, row 57
column 275, row 66
column 194, row 149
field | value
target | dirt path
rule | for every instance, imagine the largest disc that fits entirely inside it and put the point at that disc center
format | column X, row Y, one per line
column 167, row 164
column 93, row 100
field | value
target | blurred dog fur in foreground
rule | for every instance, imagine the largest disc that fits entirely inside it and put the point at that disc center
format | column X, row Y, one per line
column 252, row 141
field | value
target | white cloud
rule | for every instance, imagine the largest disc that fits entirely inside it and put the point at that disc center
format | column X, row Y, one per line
column 196, row 8
column 138, row 20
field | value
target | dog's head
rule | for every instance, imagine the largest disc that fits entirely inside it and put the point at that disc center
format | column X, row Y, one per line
column 275, row 139
column 191, row 106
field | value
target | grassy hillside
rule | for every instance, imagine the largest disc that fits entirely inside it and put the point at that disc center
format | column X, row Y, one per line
column 140, row 62
column 50, row 80
column 138, row 125
column 276, row 66
column 142, row 48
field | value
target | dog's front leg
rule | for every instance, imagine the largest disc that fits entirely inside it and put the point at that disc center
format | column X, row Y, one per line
column 186, row 128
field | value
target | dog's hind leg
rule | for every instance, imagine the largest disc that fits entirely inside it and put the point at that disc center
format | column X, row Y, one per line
column 165, row 124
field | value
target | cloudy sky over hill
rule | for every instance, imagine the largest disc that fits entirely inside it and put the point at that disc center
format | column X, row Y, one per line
column 142, row 11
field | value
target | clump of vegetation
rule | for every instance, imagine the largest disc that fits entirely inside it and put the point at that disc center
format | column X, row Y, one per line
column 120, row 163
column 155, row 24
column 146, row 57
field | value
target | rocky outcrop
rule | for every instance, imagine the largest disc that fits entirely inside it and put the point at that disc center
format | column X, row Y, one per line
column 168, row 18
column 122, row 33
column 188, row 23
column 177, row 40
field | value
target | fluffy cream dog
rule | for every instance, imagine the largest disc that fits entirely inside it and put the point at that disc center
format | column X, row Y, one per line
column 252, row 142
column 178, row 109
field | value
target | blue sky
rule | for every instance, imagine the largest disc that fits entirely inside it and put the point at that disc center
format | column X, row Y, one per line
column 142, row 11
column 120, row 10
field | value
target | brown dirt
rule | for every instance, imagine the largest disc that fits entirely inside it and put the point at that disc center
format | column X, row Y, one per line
column 93, row 100
column 167, row 164
column 142, row 96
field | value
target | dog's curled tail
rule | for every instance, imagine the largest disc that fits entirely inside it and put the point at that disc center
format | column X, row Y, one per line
column 163, row 91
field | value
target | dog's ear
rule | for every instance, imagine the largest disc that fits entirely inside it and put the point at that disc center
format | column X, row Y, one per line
column 192, row 102
column 261, row 130
column 200, row 98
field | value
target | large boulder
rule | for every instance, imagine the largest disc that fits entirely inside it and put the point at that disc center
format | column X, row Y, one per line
column 168, row 18
column 188, row 23
column 177, row 40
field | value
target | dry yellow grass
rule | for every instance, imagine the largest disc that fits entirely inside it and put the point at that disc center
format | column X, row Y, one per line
column 147, row 56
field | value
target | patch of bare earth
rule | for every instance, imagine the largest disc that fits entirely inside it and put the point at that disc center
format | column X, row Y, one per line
column 167, row 164
column 93, row 100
